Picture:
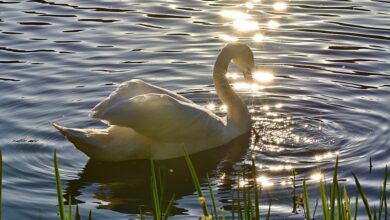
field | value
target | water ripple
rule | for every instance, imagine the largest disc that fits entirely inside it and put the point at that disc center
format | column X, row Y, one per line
column 329, row 95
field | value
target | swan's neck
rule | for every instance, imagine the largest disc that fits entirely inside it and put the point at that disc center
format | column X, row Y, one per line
column 237, row 113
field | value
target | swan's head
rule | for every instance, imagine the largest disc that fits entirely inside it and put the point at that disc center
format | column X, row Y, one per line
column 242, row 57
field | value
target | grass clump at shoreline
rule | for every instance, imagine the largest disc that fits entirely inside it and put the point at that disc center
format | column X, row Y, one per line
column 336, row 202
column 335, row 205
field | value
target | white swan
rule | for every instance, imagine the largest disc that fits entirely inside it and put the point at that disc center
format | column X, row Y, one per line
column 147, row 121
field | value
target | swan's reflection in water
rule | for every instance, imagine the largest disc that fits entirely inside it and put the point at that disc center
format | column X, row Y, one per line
column 125, row 186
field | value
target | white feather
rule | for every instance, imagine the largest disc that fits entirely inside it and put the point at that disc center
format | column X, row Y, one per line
column 147, row 121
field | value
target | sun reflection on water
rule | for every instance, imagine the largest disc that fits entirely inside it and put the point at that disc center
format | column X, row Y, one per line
column 280, row 6
column 276, row 168
column 228, row 38
column 264, row 181
column 232, row 75
column 273, row 24
column 246, row 25
column 243, row 183
column 249, row 5
column 279, row 105
column 317, row 177
column 263, row 77
column 325, row 156
column 243, row 86
column 234, row 14
column 278, row 133
column 258, row 37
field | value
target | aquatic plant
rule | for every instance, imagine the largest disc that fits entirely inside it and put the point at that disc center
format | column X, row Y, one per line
column 61, row 205
column 157, row 189
column 335, row 205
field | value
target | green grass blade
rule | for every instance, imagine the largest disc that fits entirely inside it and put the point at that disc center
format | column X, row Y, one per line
column 255, row 188
column 306, row 199
column 70, row 208
column 340, row 204
column 223, row 214
column 333, row 189
column 90, row 215
column 385, row 206
column 154, row 189
column 383, row 194
column 239, row 211
column 269, row 211
column 168, row 209
column 250, row 205
column 232, row 211
column 141, row 214
column 347, row 205
column 59, row 188
column 315, row 209
column 363, row 196
column 356, row 207
column 195, row 180
column 77, row 215
column 161, row 188
column 294, row 198
column 245, row 200
column 212, row 198
column 324, row 201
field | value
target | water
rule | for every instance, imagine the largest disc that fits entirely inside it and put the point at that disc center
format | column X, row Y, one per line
column 330, row 95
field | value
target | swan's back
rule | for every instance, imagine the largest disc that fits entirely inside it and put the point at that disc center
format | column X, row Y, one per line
column 164, row 118
column 131, row 89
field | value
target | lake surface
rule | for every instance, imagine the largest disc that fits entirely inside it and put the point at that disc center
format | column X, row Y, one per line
column 330, row 95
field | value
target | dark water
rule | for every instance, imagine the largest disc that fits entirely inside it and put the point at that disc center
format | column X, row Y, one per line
column 330, row 95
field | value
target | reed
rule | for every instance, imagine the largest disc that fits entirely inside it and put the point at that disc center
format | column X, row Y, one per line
column 195, row 180
column 61, row 205
column 215, row 213
column 59, row 188
column 335, row 205
column 306, row 199
column 364, row 198
column 157, row 189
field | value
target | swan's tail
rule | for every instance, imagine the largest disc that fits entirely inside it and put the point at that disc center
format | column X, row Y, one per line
column 111, row 144
column 81, row 138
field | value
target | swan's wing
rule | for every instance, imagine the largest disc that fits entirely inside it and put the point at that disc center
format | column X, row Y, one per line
column 131, row 89
column 162, row 117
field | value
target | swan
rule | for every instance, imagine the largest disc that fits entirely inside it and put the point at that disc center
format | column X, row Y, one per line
column 146, row 121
